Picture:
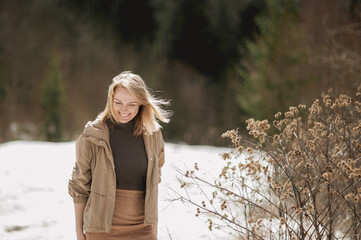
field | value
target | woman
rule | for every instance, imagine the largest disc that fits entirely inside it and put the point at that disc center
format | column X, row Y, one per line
column 119, row 155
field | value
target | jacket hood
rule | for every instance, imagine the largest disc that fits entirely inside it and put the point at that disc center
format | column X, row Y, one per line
column 97, row 129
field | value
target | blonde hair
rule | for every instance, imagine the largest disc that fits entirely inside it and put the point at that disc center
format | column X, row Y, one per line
column 149, row 109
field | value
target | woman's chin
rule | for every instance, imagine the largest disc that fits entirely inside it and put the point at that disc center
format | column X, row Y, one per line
column 121, row 119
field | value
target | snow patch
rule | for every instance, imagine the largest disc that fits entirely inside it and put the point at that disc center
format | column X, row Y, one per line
column 34, row 203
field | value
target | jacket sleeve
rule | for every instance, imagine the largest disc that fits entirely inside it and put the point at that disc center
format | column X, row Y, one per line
column 161, row 153
column 79, row 184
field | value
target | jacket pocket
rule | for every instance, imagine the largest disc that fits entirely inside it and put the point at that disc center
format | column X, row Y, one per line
column 99, row 182
column 96, row 206
column 94, row 214
column 98, row 187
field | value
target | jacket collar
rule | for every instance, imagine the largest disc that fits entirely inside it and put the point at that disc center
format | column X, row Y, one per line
column 98, row 131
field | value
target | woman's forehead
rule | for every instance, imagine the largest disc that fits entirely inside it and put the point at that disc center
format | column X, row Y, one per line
column 123, row 95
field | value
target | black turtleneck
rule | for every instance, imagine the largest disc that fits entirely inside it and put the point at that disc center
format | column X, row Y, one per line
column 129, row 155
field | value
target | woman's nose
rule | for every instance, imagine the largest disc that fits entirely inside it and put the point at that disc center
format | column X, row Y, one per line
column 123, row 108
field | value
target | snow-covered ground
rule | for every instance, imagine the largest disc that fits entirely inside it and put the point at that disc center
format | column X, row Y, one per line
column 34, row 203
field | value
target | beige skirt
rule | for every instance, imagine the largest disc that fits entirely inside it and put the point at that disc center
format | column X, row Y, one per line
column 128, row 219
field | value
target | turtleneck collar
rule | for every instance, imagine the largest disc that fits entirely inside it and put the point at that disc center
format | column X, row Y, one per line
column 126, row 127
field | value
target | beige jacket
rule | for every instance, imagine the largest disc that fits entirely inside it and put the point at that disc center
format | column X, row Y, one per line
column 93, row 179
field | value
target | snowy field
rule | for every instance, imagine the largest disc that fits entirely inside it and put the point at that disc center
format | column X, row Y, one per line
column 34, row 203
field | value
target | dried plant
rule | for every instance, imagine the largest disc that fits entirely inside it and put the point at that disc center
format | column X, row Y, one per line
column 303, row 181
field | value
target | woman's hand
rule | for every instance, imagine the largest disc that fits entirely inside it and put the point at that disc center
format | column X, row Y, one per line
column 79, row 210
column 80, row 235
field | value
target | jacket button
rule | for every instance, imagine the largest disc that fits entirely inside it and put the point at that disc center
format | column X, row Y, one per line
column 101, row 142
column 151, row 159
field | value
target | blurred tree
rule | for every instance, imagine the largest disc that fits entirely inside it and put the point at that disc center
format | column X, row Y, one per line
column 4, row 92
column 204, row 34
column 53, row 102
column 303, row 48
column 334, row 43
column 355, row 9
column 268, row 74
column 131, row 21
column 3, row 86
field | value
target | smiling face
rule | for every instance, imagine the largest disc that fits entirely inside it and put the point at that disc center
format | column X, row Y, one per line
column 125, row 105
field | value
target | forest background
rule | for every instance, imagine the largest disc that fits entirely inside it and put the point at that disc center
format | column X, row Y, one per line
column 220, row 62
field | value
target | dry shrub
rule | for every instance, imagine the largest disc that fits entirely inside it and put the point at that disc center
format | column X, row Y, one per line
column 303, row 181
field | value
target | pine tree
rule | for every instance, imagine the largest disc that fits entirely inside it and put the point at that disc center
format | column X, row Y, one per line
column 53, row 102
column 269, row 78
